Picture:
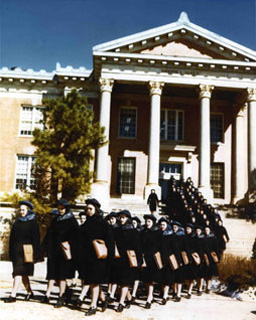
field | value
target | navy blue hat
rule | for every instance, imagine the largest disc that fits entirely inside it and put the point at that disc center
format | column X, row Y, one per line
column 54, row 212
column 26, row 203
column 149, row 217
column 199, row 227
column 163, row 220
column 64, row 203
column 190, row 225
column 176, row 223
column 94, row 202
column 136, row 219
column 111, row 214
column 125, row 212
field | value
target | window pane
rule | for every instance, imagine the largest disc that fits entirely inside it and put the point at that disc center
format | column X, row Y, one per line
column 180, row 125
column 24, row 175
column 171, row 125
column 162, row 125
column 126, row 175
column 26, row 121
column 216, row 128
column 127, row 123
column 217, row 179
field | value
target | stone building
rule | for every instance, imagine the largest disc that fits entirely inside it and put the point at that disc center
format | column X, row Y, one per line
column 174, row 100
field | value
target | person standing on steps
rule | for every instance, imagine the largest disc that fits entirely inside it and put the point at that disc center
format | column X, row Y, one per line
column 153, row 201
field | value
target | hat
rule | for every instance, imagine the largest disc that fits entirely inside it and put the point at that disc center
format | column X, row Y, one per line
column 149, row 217
column 199, row 227
column 136, row 219
column 94, row 202
column 125, row 212
column 190, row 225
column 176, row 223
column 26, row 203
column 163, row 220
column 63, row 202
column 54, row 212
column 82, row 213
column 111, row 214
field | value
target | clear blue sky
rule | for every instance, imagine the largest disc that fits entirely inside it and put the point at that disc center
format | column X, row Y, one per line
column 38, row 33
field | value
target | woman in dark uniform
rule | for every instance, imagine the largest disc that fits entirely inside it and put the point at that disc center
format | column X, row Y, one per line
column 94, row 271
column 199, row 248
column 222, row 236
column 127, row 238
column 63, row 231
column 152, row 201
column 24, row 231
column 150, row 239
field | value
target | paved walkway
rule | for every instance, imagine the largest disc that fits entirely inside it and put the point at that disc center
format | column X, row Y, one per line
column 210, row 307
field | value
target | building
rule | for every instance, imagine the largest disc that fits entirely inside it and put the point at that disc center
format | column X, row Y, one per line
column 175, row 100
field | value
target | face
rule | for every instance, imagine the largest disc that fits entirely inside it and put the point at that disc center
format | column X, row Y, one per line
column 82, row 219
column 152, row 190
column 112, row 221
column 188, row 230
column 207, row 231
column 175, row 228
column 149, row 223
column 61, row 210
column 90, row 210
column 198, row 232
column 123, row 218
column 23, row 210
column 220, row 223
column 163, row 225
column 135, row 223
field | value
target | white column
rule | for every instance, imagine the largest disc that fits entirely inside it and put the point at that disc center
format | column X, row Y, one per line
column 238, row 157
column 205, row 142
column 154, row 138
column 252, row 138
column 100, row 189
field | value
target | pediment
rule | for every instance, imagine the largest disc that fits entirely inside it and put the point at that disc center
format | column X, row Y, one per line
column 181, row 38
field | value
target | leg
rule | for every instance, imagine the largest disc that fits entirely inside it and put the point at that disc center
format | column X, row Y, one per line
column 26, row 283
column 16, row 285
column 62, row 286
column 135, row 288
column 84, row 292
column 124, row 291
column 50, row 285
column 95, row 290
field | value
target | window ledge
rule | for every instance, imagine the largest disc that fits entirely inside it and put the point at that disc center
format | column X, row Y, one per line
column 177, row 147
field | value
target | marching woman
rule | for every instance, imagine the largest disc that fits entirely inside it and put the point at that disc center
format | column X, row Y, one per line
column 199, row 247
column 167, row 278
column 190, row 268
column 150, row 239
column 178, row 247
column 24, row 236
column 129, row 248
column 96, row 252
column 212, row 252
column 60, row 245
column 222, row 236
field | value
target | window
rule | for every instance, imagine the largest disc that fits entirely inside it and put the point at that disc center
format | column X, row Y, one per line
column 171, row 127
column 24, row 176
column 128, row 123
column 30, row 119
column 216, row 128
column 217, row 180
column 126, row 175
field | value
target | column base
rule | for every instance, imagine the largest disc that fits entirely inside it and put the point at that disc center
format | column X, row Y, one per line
column 207, row 192
column 147, row 190
column 238, row 199
column 100, row 191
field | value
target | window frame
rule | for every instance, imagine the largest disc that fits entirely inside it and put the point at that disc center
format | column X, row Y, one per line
column 222, row 127
column 119, row 120
column 177, row 111
column 221, row 164
column 118, row 185
column 28, row 173
column 34, row 108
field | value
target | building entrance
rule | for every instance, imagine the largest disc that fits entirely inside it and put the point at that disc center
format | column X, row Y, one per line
column 167, row 170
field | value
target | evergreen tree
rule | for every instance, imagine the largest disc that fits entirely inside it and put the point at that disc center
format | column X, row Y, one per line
column 64, row 148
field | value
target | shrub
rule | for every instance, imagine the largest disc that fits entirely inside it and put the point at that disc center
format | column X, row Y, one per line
column 237, row 272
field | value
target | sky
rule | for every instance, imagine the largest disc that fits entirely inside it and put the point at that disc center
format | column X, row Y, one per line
column 37, row 34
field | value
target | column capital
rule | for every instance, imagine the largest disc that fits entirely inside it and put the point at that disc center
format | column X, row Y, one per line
column 205, row 91
column 156, row 87
column 106, row 84
column 251, row 94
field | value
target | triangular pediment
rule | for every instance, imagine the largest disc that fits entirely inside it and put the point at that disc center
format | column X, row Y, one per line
column 181, row 38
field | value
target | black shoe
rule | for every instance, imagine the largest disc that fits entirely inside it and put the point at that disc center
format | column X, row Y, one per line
column 133, row 300
column 188, row 296
column 45, row 300
column 60, row 302
column 104, row 305
column 207, row 291
column 78, row 302
column 177, row 299
column 29, row 296
column 109, row 299
column 120, row 308
column 164, row 301
column 148, row 305
column 91, row 311
column 10, row 299
column 199, row 293
column 127, row 304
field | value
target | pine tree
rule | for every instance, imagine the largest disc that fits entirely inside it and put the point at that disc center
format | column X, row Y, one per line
column 64, row 147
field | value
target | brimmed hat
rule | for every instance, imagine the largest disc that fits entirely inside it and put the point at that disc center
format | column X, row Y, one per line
column 127, row 213
column 94, row 202
column 26, row 203
column 199, row 227
column 136, row 219
column 63, row 202
column 111, row 214
column 190, row 225
column 149, row 217
column 163, row 220
column 176, row 223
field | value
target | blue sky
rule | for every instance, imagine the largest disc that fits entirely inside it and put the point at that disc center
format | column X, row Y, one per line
column 38, row 33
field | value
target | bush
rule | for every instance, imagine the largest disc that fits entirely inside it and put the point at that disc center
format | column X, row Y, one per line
column 237, row 272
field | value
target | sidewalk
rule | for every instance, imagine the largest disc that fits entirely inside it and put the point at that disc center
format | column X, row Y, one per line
column 210, row 307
